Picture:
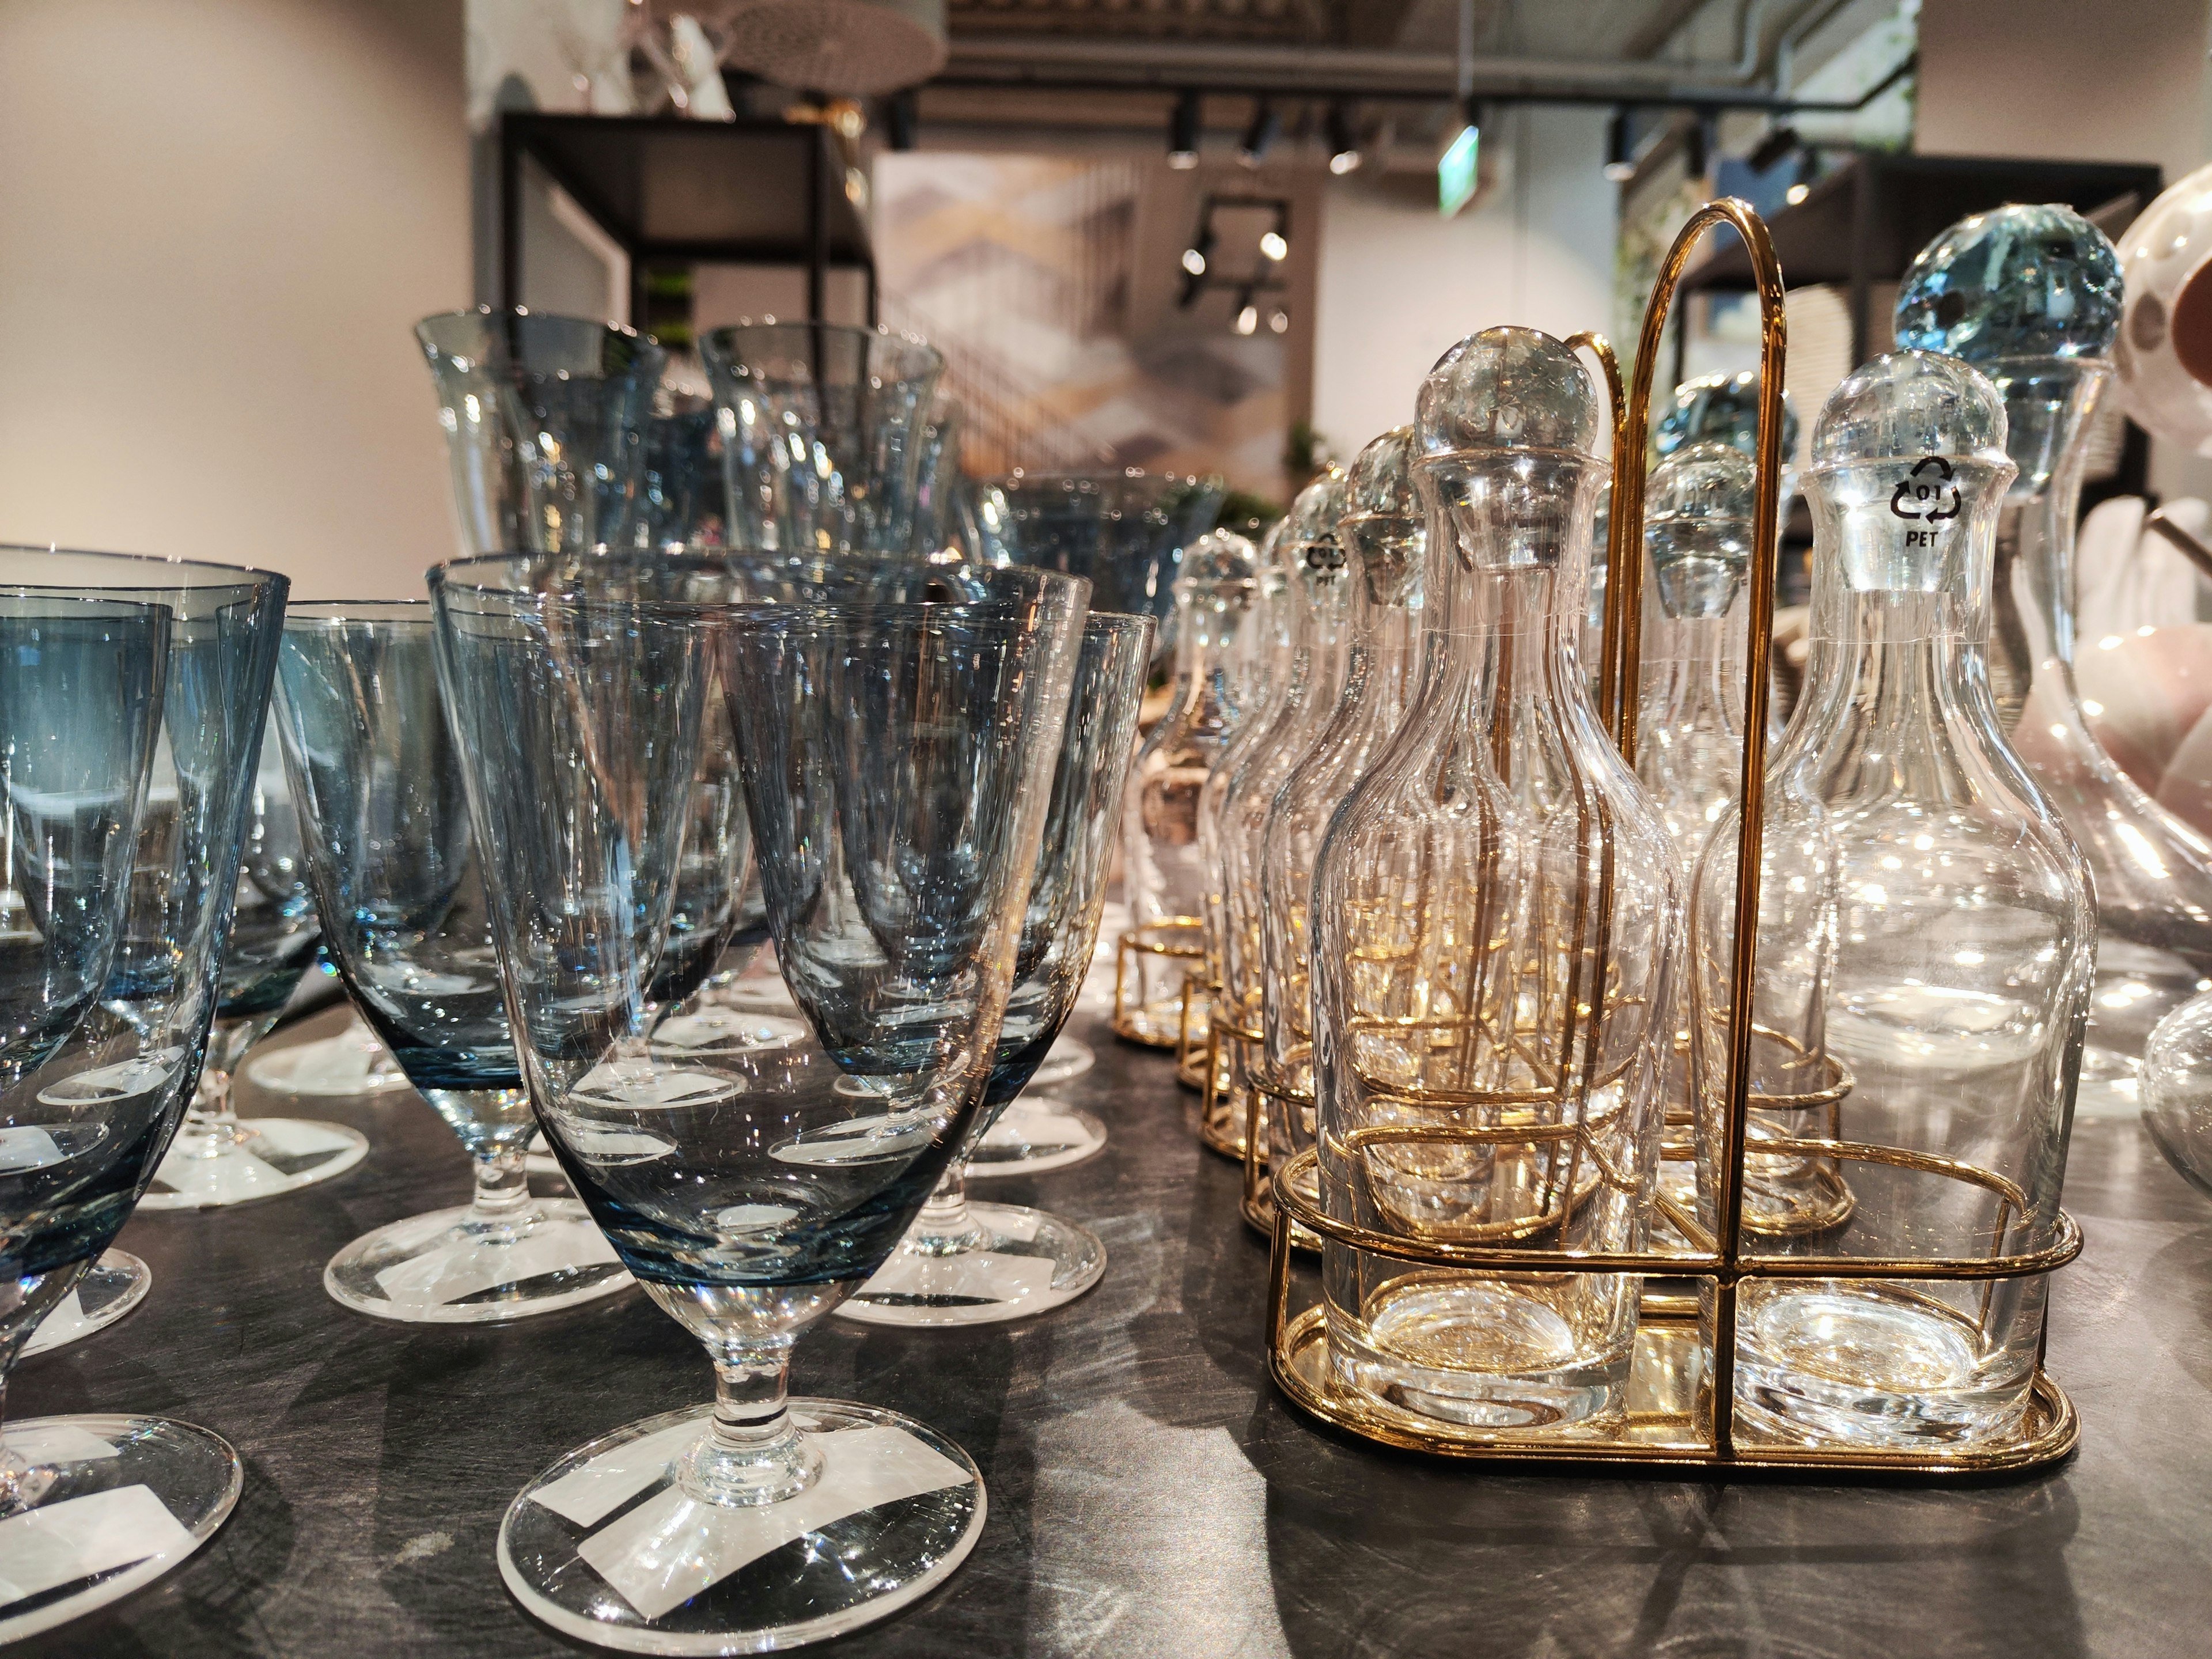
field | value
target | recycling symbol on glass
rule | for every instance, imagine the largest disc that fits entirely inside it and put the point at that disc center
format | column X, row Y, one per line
column 1325, row 555
column 1927, row 492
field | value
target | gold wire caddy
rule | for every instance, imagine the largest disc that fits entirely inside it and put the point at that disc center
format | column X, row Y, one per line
column 1180, row 939
column 1681, row 1406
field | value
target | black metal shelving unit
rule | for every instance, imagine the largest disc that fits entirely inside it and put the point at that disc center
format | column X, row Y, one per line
column 670, row 191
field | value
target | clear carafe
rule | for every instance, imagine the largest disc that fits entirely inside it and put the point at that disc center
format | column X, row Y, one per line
column 1384, row 536
column 1922, row 957
column 1162, row 875
column 1261, row 664
column 1252, row 769
column 2031, row 296
column 1495, row 919
column 1698, row 515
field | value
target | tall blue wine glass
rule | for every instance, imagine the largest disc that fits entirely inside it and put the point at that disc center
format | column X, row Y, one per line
column 395, row 869
column 896, row 761
column 132, row 694
column 966, row 1263
column 218, row 1159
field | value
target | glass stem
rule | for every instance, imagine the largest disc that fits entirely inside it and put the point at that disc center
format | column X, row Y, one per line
column 752, row 1452
column 945, row 1227
column 502, row 1185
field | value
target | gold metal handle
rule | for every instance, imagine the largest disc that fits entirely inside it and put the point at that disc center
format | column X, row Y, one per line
column 1625, row 659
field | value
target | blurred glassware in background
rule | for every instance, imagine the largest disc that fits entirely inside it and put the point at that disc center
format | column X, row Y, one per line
column 1163, row 876
column 546, row 420
column 1495, row 933
column 2031, row 296
column 119, row 677
column 683, row 494
column 1125, row 532
column 217, row 1159
column 1925, row 935
column 965, row 1263
column 824, row 430
column 1233, row 811
column 1383, row 534
column 388, row 851
column 750, row 1188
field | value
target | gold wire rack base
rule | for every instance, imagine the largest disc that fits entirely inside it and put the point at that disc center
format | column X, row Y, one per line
column 1178, row 939
column 1661, row 1431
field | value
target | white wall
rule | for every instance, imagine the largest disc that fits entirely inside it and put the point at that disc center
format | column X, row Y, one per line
column 218, row 223
column 1399, row 284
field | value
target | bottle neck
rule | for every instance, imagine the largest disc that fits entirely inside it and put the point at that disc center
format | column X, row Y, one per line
column 1207, row 622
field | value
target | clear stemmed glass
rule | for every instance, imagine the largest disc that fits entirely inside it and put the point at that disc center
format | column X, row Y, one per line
column 822, row 433
column 1124, row 532
column 116, row 674
column 547, row 420
column 216, row 1160
column 897, row 759
column 970, row 1264
column 390, row 854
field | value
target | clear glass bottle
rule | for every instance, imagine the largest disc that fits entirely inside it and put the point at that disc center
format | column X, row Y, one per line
column 2031, row 296
column 1260, row 664
column 1923, row 952
column 1164, row 880
column 1252, row 768
column 1495, row 918
column 1698, row 512
column 1384, row 535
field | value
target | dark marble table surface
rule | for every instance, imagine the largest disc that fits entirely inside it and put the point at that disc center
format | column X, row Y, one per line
column 1149, row 1494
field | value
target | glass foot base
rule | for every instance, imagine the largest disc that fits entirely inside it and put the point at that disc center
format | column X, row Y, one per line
column 1033, row 1134
column 112, row 1503
column 346, row 1066
column 1838, row 1364
column 449, row 1268
column 1064, row 1061
column 275, row 1156
column 111, row 1288
column 1027, row 1261
column 606, row 1548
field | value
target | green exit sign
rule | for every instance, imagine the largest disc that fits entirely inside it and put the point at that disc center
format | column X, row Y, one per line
column 1455, row 171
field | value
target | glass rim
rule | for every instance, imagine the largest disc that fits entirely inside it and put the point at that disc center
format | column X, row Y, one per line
column 451, row 578
column 202, row 573
column 918, row 358
column 486, row 313
column 328, row 611
column 1037, row 478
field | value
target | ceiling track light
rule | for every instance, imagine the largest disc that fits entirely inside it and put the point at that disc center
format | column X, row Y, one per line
column 901, row 114
column 1619, row 148
column 1779, row 144
column 1183, row 126
column 1699, row 144
column 1343, row 145
column 1266, row 123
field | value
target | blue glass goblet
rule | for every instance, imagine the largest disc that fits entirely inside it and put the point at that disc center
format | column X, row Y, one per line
column 897, row 763
column 966, row 1263
column 218, row 1159
column 393, row 865
column 547, row 421
column 131, row 693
